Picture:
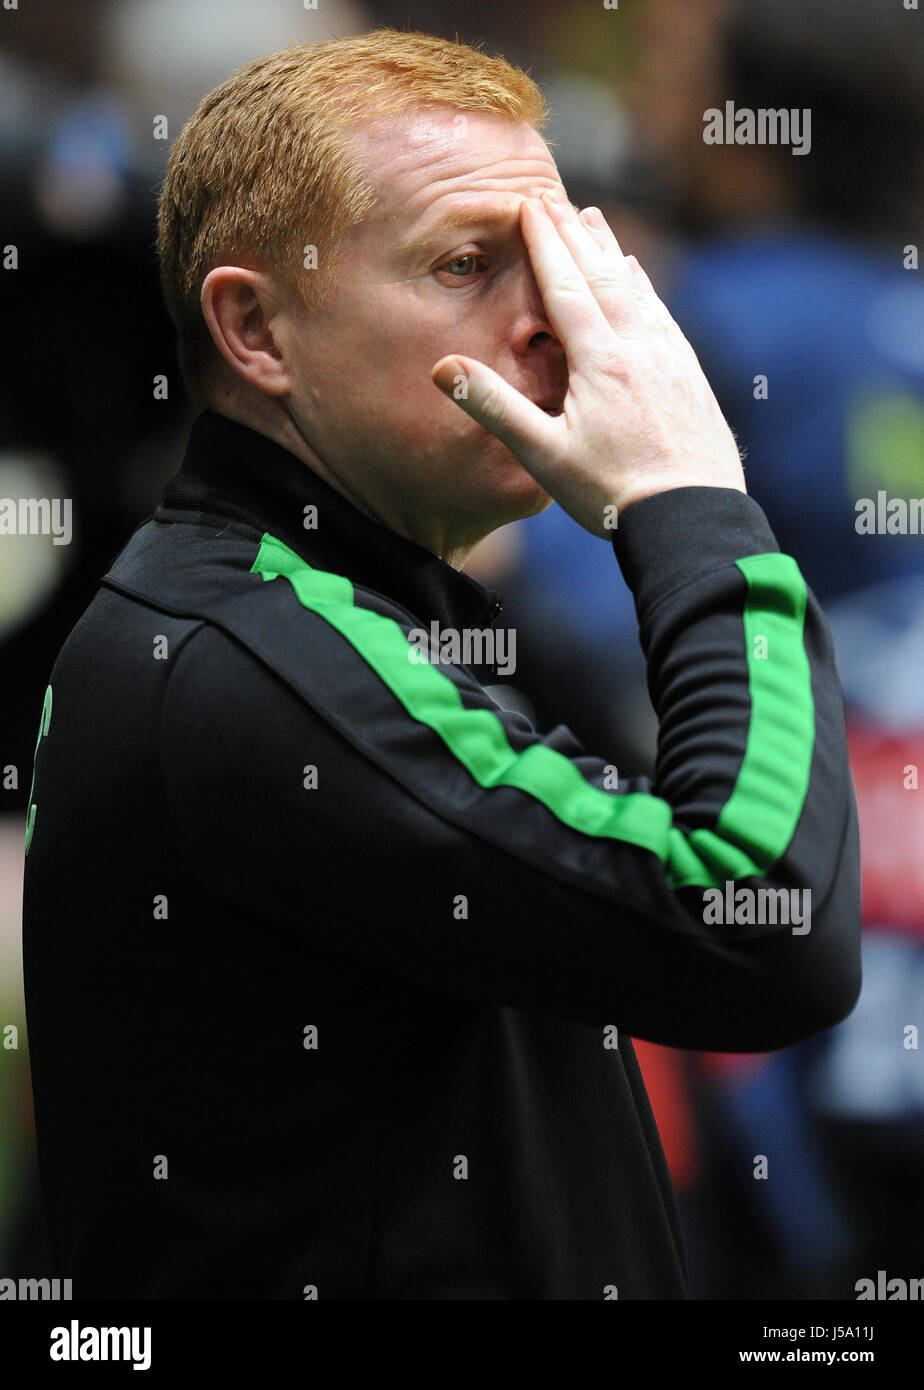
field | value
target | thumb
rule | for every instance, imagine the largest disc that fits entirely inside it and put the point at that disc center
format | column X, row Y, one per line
column 525, row 428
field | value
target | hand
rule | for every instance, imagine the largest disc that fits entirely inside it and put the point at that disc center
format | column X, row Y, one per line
column 639, row 416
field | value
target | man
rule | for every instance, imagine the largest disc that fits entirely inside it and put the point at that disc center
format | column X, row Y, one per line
column 360, row 951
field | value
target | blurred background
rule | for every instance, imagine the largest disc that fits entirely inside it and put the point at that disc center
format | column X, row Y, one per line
column 796, row 279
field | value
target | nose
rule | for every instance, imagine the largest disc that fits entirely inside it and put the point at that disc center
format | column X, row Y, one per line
column 533, row 331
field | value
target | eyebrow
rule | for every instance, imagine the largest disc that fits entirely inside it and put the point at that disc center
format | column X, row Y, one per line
column 458, row 219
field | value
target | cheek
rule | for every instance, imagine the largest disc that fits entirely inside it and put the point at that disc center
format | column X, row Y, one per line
column 375, row 371
column 415, row 414
column 391, row 378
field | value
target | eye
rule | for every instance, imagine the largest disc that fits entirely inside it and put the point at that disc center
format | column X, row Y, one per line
column 462, row 267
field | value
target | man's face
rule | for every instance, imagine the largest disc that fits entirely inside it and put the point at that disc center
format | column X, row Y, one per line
column 410, row 290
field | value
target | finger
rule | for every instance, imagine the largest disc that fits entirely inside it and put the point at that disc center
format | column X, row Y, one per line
column 591, row 259
column 605, row 237
column 601, row 235
column 590, row 244
column 643, row 284
column 604, row 268
column 575, row 314
column 525, row 428
column 650, row 303
column 599, row 228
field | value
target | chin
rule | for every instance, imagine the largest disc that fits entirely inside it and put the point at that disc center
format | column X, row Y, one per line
column 518, row 492
column 504, row 491
column 541, row 503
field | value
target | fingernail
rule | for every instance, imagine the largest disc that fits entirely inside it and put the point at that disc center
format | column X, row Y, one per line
column 446, row 375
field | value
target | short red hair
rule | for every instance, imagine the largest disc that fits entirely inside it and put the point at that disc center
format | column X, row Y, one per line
column 264, row 168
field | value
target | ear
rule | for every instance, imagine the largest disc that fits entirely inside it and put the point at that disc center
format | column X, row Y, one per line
column 240, row 307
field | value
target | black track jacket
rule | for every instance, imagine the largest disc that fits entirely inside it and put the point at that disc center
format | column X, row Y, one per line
column 333, row 962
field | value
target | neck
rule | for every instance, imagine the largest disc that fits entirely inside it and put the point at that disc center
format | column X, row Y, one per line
column 432, row 534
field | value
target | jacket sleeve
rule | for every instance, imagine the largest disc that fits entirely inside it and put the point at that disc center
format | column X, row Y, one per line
column 324, row 781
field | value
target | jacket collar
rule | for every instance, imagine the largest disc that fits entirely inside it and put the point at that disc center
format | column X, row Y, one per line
column 229, row 470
